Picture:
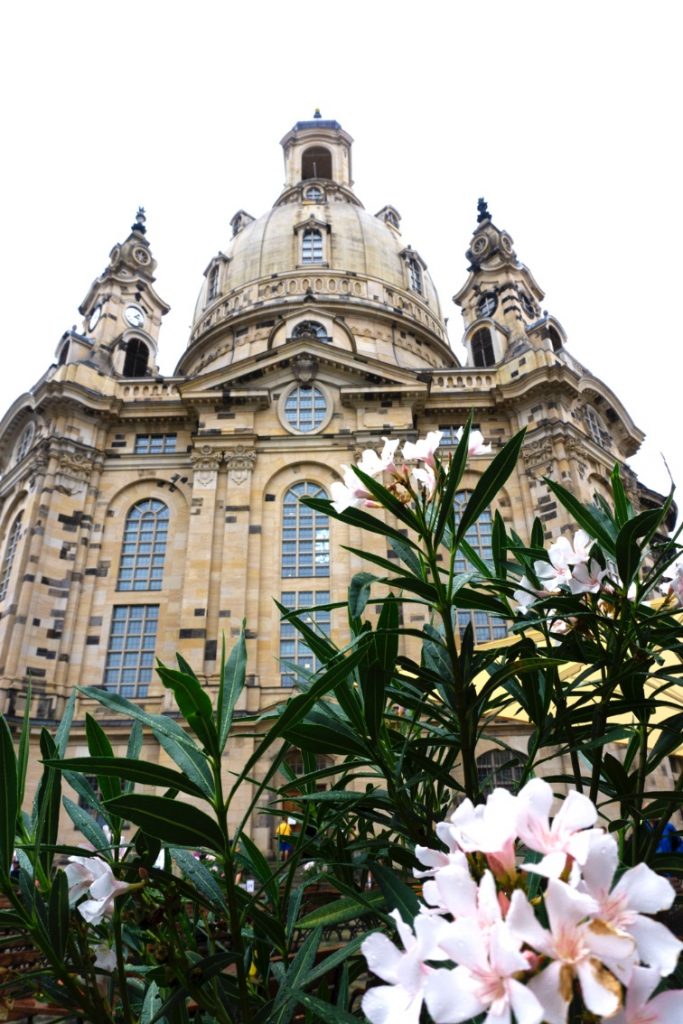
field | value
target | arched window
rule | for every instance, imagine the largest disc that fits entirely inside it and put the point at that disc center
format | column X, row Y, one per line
column 137, row 358
column 478, row 536
column 415, row 275
column 314, row 194
column 555, row 339
column 482, row 348
column 305, row 409
column 316, row 163
column 305, row 534
column 10, row 552
column 310, row 329
column 212, row 290
column 312, row 246
column 595, row 426
column 24, row 443
column 499, row 769
column 63, row 355
column 144, row 546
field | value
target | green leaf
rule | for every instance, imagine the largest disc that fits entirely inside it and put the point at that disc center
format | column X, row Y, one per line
column 58, row 913
column 295, row 976
column 92, row 832
column 587, row 519
column 143, row 772
column 453, row 478
column 406, row 554
column 194, row 704
column 325, row 1011
column 9, row 803
column 669, row 739
column 151, row 1004
column 48, row 801
column 100, row 747
column 359, row 593
column 233, row 675
column 397, row 894
column 24, row 749
column 260, row 868
column 171, row 821
column 629, row 553
column 178, row 745
column 490, row 483
column 62, row 734
column 356, row 517
column 204, row 881
column 346, row 909
column 499, row 545
column 622, row 506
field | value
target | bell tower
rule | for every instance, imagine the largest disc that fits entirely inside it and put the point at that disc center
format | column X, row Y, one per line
column 500, row 300
column 317, row 151
column 122, row 311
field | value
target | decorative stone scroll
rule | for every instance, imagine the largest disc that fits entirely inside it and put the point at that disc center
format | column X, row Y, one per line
column 305, row 368
column 240, row 462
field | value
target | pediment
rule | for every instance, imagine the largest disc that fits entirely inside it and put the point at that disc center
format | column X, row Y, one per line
column 304, row 360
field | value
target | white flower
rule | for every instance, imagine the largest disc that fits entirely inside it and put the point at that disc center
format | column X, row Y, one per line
column 581, row 547
column 350, row 494
column 475, row 444
column 586, row 579
column 569, row 835
column 525, row 595
column 485, row 980
column 556, row 571
column 489, row 828
column 423, row 479
column 105, row 963
column 373, row 464
column 95, row 875
column 666, row 1008
column 577, row 947
column 453, row 891
column 639, row 891
column 424, row 448
column 406, row 972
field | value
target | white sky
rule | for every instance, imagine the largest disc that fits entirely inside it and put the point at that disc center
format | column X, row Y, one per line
column 566, row 117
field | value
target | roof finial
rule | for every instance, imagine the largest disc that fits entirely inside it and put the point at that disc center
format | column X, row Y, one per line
column 483, row 211
column 317, row 113
column 140, row 219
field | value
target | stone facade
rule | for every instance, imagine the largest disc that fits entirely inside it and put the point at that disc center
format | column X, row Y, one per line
column 316, row 332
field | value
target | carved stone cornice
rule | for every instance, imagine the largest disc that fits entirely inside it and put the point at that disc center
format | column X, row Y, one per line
column 537, row 453
column 205, row 459
column 240, row 462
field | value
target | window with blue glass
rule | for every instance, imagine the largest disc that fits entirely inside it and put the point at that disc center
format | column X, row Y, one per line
column 486, row 627
column 130, row 653
column 144, row 546
column 9, row 556
column 305, row 534
column 305, row 409
column 293, row 647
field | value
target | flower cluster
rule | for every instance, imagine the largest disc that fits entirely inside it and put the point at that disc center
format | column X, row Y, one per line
column 483, row 944
column 415, row 470
column 569, row 565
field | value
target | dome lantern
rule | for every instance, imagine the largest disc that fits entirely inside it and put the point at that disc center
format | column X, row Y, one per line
column 317, row 150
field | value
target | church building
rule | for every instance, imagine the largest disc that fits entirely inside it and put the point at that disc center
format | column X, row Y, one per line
column 142, row 515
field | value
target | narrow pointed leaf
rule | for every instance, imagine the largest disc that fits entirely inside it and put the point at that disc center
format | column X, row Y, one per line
column 171, row 821
column 199, row 875
column 62, row 734
column 92, row 832
column 8, row 803
column 587, row 519
column 233, row 675
column 622, row 506
column 100, row 747
column 48, row 801
column 24, row 749
column 490, row 483
column 397, row 894
column 454, row 476
column 143, row 772
column 359, row 593
column 58, row 913
column 356, row 517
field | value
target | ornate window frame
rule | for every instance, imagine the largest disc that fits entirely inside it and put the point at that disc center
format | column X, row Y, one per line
column 286, row 405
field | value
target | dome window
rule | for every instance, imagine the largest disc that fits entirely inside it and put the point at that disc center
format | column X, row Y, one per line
column 595, row 426
column 212, row 290
column 482, row 348
column 415, row 275
column 312, row 246
column 316, row 163
column 24, row 443
column 137, row 358
column 314, row 194
column 311, row 329
column 305, row 409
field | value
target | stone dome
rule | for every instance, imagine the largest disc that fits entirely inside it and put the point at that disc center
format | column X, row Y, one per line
column 319, row 246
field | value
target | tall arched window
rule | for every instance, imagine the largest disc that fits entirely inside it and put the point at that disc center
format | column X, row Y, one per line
column 312, row 246
column 415, row 275
column 137, row 358
column 482, row 348
column 316, row 163
column 24, row 443
column 212, row 290
column 144, row 546
column 10, row 553
column 478, row 536
column 305, row 534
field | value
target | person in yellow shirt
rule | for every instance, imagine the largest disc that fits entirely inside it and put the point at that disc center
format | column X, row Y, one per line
column 284, row 836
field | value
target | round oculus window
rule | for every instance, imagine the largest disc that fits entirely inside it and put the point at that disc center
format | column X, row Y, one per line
column 305, row 409
column 487, row 304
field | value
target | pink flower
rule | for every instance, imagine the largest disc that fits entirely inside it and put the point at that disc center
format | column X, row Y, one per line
column 485, row 980
column 639, row 891
column 406, row 972
column 476, row 444
column 424, row 448
column 424, row 479
column 489, row 828
column 569, row 835
column 373, row 464
column 666, row 1008
column 350, row 494
column 577, row 946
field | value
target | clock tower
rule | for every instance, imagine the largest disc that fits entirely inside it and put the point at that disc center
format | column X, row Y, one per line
column 121, row 312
